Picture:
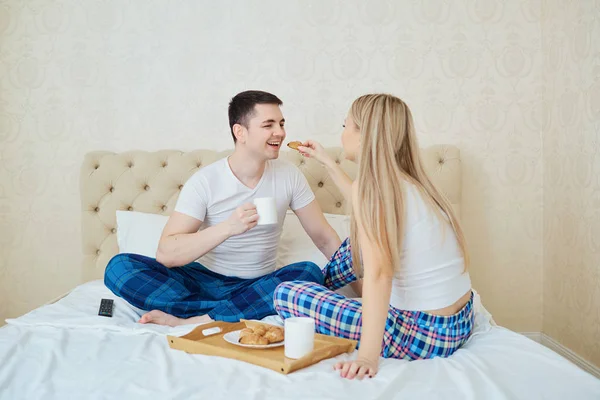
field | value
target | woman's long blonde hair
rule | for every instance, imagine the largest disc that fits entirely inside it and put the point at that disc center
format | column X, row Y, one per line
column 388, row 156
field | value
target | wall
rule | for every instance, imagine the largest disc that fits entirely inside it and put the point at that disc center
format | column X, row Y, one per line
column 79, row 76
column 571, row 74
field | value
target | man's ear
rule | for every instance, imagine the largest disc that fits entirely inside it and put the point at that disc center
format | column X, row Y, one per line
column 240, row 132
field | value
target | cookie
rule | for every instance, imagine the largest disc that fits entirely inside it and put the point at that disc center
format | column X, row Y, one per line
column 294, row 145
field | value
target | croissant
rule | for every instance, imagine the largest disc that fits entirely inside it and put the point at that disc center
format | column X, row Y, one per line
column 245, row 332
column 260, row 330
column 253, row 338
column 263, row 340
column 274, row 336
column 250, row 338
column 261, row 335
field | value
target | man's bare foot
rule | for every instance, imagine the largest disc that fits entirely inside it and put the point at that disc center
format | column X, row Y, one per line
column 202, row 319
column 162, row 318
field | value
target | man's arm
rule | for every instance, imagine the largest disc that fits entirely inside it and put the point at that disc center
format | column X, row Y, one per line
column 181, row 243
column 316, row 226
column 323, row 235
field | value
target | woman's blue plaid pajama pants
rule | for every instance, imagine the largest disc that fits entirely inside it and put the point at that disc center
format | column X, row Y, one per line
column 410, row 335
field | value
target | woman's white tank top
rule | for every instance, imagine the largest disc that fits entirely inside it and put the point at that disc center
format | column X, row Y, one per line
column 431, row 275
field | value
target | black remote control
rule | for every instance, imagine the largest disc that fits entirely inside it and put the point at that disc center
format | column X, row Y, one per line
column 106, row 308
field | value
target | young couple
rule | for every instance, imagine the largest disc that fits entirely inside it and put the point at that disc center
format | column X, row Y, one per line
column 406, row 242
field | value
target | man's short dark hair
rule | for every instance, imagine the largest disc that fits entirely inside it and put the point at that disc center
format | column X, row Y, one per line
column 241, row 107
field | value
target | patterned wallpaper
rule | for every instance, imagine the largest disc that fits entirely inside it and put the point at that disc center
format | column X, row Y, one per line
column 572, row 175
column 77, row 76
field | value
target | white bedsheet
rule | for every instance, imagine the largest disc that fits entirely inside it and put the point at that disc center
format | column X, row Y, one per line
column 80, row 307
column 64, row 351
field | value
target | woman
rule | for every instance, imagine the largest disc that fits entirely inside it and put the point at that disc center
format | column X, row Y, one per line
column 406, row 240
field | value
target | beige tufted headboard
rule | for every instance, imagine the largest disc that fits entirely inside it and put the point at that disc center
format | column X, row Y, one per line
column 150, row 182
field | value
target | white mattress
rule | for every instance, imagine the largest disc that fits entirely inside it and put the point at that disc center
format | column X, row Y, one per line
column 65, row 351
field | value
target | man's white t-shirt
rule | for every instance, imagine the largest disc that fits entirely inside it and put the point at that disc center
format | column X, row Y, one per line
column 213, row 193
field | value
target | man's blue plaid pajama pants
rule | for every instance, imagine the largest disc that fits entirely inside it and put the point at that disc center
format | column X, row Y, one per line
column 194, row 290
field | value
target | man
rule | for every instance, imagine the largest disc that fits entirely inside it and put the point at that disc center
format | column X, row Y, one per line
column 237, row 276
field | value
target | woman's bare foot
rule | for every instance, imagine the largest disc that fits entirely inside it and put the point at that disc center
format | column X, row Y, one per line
column 162, row 318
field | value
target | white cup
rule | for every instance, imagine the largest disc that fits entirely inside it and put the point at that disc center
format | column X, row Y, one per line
column 299, row 337
column 266, row 210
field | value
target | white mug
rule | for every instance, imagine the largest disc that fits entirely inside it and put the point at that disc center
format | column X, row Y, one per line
column 299, row 337
column 266, row 210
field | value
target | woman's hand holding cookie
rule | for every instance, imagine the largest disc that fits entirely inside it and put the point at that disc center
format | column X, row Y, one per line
column 314, row 150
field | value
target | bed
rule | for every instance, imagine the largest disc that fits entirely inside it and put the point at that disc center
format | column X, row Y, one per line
column 63, row 350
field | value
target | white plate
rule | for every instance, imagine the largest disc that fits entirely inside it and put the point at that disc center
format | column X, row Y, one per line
column 234, row 337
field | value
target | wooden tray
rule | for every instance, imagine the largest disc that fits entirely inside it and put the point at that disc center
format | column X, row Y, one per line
column 196, row 342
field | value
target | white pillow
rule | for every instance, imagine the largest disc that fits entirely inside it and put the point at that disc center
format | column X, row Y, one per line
column 139, row 232
column 295, row 244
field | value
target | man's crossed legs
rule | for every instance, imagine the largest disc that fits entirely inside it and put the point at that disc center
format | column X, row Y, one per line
column 193, row 294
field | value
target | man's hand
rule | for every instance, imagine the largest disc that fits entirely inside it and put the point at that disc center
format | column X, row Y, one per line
column 358, row 368
column 243, row 219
